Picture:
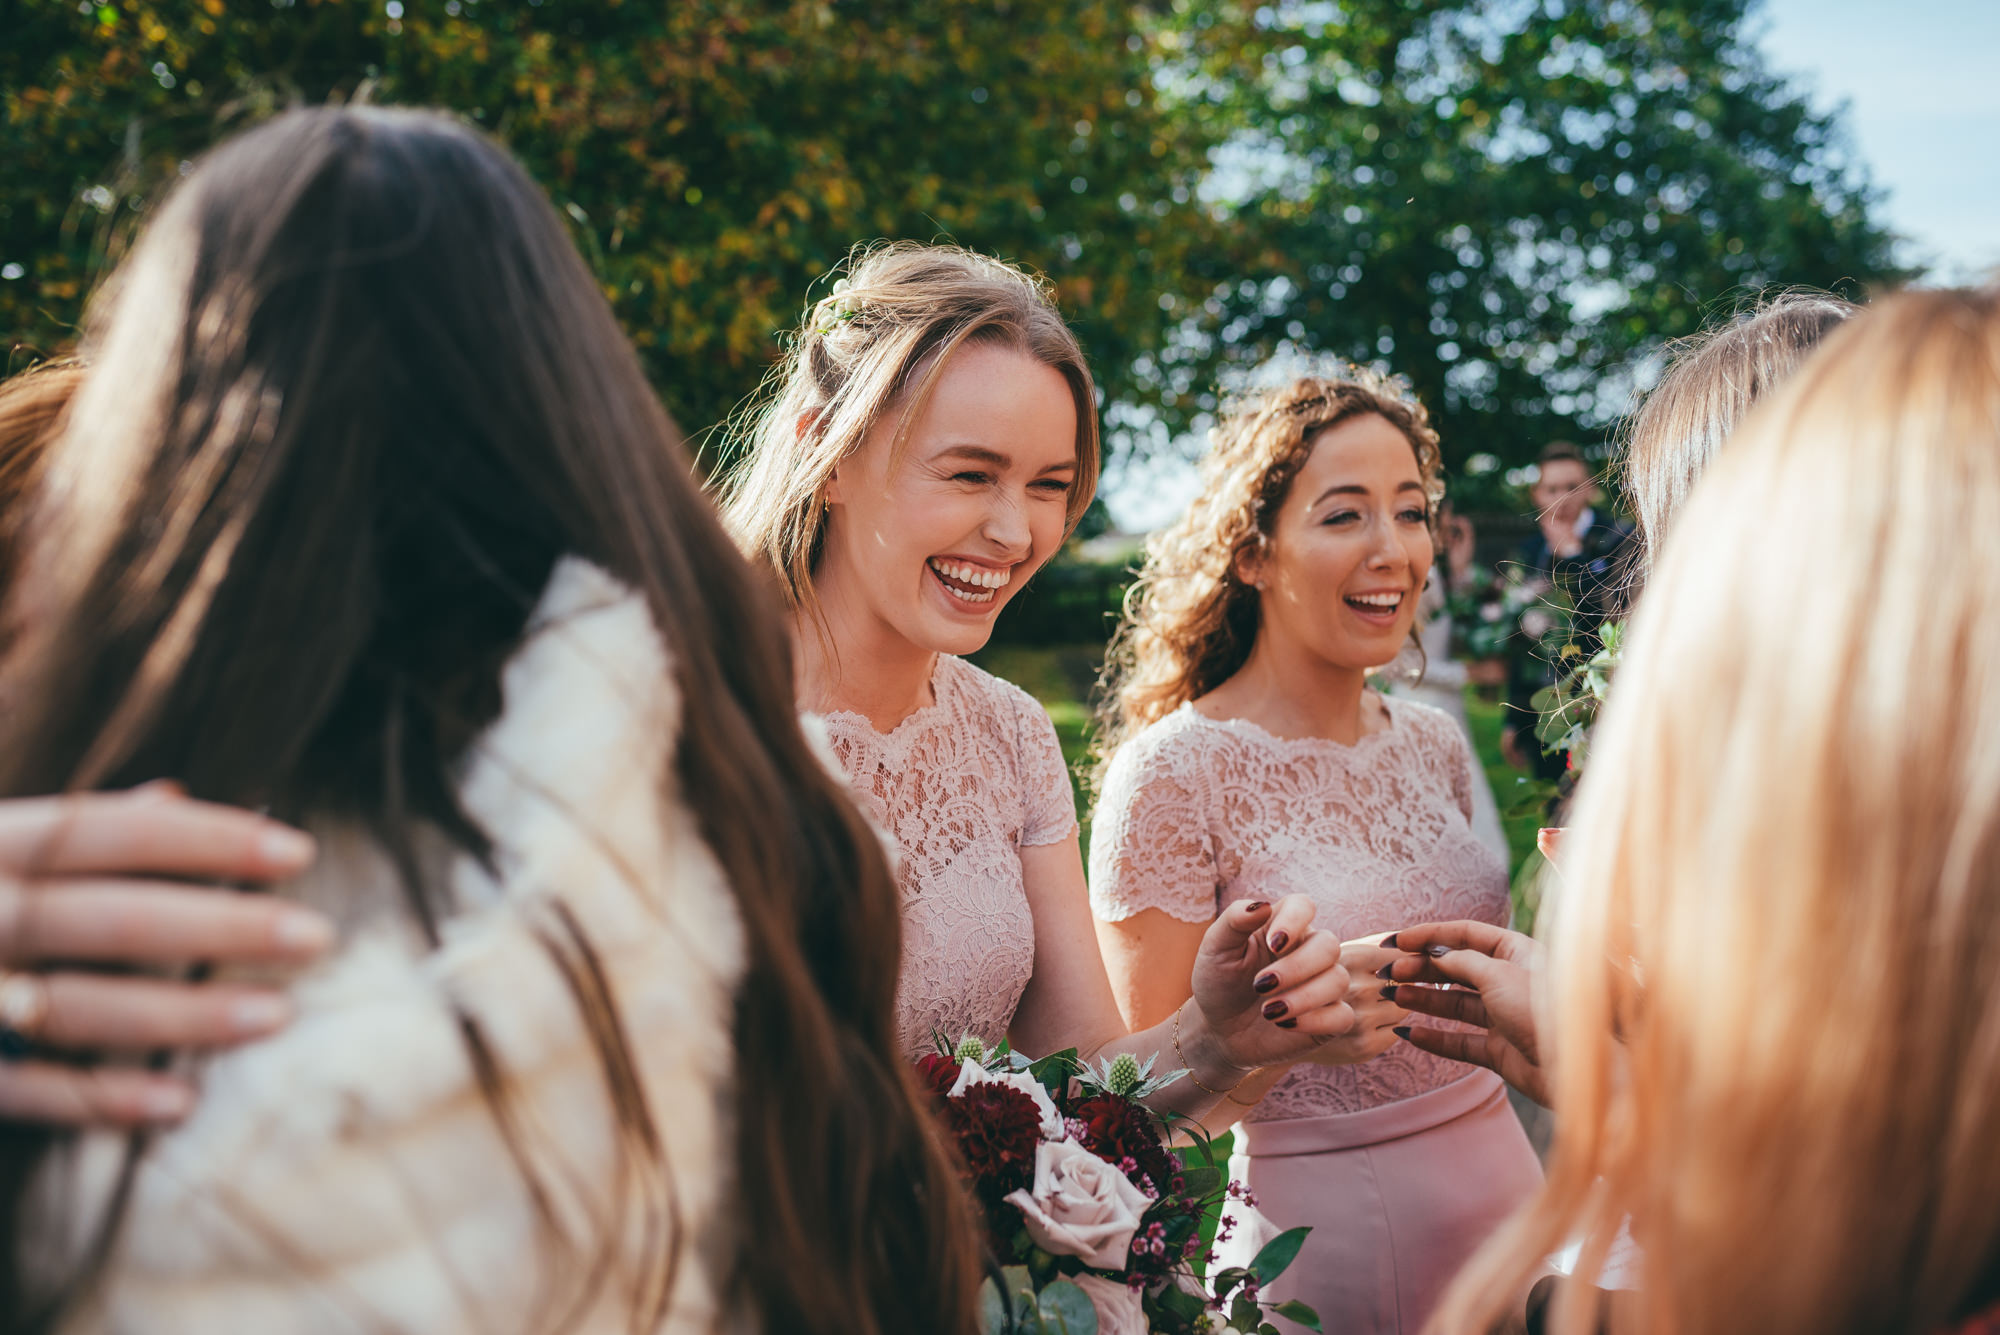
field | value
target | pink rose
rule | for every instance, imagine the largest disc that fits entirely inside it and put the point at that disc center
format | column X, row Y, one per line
column 1081, row 1206
column 1120, row 1309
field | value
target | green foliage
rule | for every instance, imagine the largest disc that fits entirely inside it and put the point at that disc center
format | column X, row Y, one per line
column 1569, row 708
column 714, row 157
column 1508, row 200
column 1277, row 1254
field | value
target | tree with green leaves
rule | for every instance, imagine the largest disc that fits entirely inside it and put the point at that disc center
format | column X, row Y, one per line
column 1509, row 201
column 715, row 157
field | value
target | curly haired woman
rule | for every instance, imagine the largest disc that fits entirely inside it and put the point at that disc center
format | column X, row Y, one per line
column 1247, row 758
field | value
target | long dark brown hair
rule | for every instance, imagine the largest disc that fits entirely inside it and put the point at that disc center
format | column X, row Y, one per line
column 351, row 399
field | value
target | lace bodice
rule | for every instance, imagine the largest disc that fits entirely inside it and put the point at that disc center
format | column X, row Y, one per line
column 960, row 787
column 1197, row 813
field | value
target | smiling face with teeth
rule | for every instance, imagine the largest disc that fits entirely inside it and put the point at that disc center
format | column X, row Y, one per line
column 927, row 540
column 1348, row 551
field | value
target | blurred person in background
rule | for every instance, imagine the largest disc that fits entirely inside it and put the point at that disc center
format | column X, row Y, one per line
column 1568, row 575
column 366, row 514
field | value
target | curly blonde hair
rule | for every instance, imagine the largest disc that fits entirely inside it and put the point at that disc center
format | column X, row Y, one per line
column 1190, row 620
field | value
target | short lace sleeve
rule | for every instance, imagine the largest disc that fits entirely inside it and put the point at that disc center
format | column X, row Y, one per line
column 1048, row 799
column 1445, row 741
column 1150, row 846
column 1462, row 772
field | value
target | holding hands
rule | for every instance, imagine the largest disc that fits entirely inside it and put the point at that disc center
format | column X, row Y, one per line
column 1269, row 987
column 1375, row 1010
column 81, row 888
column 1489, row 973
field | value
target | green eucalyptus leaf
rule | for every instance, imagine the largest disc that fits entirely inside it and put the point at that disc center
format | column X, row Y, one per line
column 1066, row 1309
column 1174, row 1301
column 992, row 1309
column 1278, row 1253
column 1300, row 1313
column 1202, row 1181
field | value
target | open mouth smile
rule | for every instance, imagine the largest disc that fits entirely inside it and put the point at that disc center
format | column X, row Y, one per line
column 1380, row 608
column 969, row 583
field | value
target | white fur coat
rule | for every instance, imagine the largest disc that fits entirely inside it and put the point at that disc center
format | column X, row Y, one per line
column 346, row 1175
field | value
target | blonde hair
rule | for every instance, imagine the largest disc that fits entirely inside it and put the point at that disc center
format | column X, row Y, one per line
column 1774, row 972
column 900, row 308
column 1711, row 380
column 32, row 407
column 1190, row 620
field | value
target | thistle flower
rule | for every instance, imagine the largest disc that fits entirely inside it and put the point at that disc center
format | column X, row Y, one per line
column 1126, row 1077
column 971, row 1049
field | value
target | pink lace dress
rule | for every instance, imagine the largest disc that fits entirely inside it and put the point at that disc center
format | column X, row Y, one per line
column 1403, row 1164
column 960, row 787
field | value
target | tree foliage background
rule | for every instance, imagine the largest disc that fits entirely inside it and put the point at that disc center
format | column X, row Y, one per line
column 1511, row 201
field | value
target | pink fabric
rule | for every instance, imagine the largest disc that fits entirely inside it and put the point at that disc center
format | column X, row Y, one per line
column 1401, row 1165
column 1399, row 1198
column 1197, row 813
column 960, row 787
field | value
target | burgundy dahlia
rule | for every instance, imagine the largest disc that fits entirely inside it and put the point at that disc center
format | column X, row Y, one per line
column 937, row 1073
column 1116, row 1129
column 996, row 1129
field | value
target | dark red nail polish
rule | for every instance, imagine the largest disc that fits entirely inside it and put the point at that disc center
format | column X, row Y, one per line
column 1256, row 905
column 1288, row 1024
column 1266, row 982
column 1401, row 1031
column 1389, row 992
column 1383, row 972
column 1274, row 1009
column 1278, row 941
column 1389, row 941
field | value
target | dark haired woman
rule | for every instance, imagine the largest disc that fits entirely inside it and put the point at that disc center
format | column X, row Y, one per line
column 368, row 516
column 1250, row 760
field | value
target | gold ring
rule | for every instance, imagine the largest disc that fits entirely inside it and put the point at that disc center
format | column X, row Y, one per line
column 24, row 1003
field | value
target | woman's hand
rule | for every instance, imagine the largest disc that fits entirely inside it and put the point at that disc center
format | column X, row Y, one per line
column 1492, row 973
column 1268, row 986
column 71, row 891
column 1375, row 1014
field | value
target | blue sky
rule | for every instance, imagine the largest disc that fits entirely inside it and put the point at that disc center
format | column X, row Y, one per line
column 1921, row 84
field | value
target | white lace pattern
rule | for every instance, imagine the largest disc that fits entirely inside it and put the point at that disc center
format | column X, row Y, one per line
column 1197, row 813
column 961, row 786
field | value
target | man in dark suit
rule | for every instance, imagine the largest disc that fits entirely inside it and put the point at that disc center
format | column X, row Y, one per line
column 1572, row 569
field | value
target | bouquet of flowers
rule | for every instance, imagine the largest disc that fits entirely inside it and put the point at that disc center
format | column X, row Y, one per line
column 1568, row 709
column 1095, row 1225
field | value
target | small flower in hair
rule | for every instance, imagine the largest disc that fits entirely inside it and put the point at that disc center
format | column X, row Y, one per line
column 836, row 308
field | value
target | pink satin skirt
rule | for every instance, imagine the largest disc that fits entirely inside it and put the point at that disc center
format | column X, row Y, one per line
column 1398, row 1197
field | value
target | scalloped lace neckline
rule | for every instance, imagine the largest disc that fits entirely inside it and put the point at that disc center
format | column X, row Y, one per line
column 1257, row 732
column 905, row 726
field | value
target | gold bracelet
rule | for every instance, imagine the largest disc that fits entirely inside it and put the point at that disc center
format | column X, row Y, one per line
column 1240, row 1102
column 1181, row 1057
